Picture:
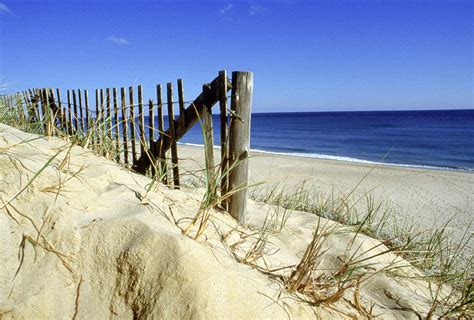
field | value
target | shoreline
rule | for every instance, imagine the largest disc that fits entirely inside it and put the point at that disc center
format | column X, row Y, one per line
column 347, row 160
column 425, row 198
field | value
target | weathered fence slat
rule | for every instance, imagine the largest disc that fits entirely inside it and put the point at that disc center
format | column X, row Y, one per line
column 62, row 114
column 20, row 102
column 239, row 142
column 76, row 117
column 39, row 104
column 141, row 122
column 124, row 125
column 160, row 151
column 48, row 115
column 86, row 102
column 224, row 131
column 132, row 125
column 54, row 112
column 174, row 148
column 81, row 112
column 69, row 113
column 116, row 126
column 101, row 125
column 28, row 105
column 182, row 110
column 42, row 108
column 24, row 104
column 108, row 119
column 32, row 110
column 209, row 150
column 151, row 122
column 151, row 135
column 96, row 121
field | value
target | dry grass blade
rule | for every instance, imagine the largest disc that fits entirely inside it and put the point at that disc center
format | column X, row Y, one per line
column 37, row 174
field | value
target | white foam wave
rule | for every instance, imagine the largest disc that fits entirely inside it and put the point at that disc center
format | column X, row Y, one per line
column 346, row 159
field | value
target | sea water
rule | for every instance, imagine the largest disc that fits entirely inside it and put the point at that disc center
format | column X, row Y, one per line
column 441, row 139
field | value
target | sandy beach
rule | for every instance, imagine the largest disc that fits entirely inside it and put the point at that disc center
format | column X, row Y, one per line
column 424, row 197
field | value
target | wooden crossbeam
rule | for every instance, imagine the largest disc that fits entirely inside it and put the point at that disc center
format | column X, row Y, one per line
column 191, row 116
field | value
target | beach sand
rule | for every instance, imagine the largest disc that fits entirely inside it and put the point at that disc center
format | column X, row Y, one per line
column 84, row 238
column 425, row 198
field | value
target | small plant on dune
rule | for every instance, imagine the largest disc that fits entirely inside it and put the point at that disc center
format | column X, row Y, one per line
column 442, row 260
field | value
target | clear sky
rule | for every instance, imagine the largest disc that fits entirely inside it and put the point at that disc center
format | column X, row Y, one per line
column 305, row 55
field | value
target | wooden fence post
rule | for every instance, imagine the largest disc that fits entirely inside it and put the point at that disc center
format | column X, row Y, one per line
column 239, row 142
column 86, row 102
column 62, row 115
column 209, row 149
column 141, row 121
column 69, row 111
column 182, row 109
column 132, row 125
column 116, row 126
column 151, row 123
column 48, row 116
column 174, row 148
column 81, row 112
column 160, row 152
column 76, row 116
column 108, row 120
column 124, row 125
column 54, row 112
column 96, row 121
column 32, row 106
column 102, row 124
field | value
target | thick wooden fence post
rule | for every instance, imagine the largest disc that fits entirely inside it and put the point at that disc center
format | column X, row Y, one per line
column 239, row 142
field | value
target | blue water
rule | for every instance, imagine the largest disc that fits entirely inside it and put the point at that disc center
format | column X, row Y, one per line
column 442, row 139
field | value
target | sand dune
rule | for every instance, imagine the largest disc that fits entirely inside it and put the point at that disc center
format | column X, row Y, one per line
column 83, row 238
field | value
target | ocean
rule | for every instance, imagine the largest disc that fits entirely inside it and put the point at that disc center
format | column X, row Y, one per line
column 442, row 139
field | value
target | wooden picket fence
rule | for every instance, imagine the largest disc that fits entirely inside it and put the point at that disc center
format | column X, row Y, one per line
column 120, row 125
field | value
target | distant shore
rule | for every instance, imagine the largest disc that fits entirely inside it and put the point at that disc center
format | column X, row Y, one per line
column 423, row 197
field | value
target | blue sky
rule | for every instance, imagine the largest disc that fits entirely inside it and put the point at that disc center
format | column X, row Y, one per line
column 305, row 55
